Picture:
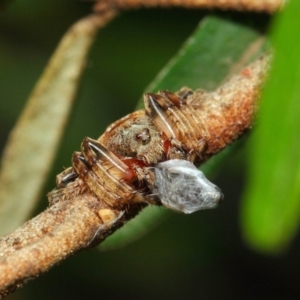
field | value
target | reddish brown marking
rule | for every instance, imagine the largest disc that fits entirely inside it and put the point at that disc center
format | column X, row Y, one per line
column 166, row 142
column 133, row 162
column 246, row 72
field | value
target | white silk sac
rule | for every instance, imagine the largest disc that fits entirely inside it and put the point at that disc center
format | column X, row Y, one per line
column 183, row 188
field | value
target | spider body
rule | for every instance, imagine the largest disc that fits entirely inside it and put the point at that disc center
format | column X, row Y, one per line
column 118, row 167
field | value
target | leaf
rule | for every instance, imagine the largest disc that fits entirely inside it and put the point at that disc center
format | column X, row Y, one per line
column 209, row 55
column 32, row 144
column 271, row 208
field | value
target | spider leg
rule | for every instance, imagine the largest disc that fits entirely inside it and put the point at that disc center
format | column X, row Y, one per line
column 105, row 174
column 200, row 134
column 96, row 184
column 190, row 114
column 66, row 177
column 159, row 114
column 94, row 152
column 178, row 121
column 184, row 93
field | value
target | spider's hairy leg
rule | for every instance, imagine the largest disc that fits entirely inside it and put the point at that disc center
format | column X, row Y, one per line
column 199, row 133
column 105, row 174
column 172, row 115
column 158, row 114
column 184, row 93
column 190, row 114
column 68, row 185
column 66, row 177
column 96, row 185
column 93, row 151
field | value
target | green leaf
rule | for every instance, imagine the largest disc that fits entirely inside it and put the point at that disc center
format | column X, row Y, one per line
column 271, row 210
column 210, row 54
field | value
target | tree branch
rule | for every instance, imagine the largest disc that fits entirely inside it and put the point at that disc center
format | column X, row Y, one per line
column 269, row 6
column 55, row 234
column 228, row 112
column 71, row 225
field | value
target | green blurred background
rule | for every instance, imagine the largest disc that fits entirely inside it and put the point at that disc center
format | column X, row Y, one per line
column 198, row 256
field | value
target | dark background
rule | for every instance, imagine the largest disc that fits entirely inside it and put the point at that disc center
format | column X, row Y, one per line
column 198, row 256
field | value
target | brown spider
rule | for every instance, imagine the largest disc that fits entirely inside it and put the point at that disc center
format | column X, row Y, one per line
column 118, row 167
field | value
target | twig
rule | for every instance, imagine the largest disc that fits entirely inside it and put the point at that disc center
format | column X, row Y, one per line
column 228, row 112
column 55, row 234
column 269, row 6
column 72, row 225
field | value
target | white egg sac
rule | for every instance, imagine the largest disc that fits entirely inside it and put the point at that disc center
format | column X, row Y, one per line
column 183, row 188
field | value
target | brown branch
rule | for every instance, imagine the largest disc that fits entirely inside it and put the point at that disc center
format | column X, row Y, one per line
column 269, row 6
column 228, row 112
column 69, row 226
column 55, row 234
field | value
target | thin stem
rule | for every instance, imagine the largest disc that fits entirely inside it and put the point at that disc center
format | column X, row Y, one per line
column 269, row 6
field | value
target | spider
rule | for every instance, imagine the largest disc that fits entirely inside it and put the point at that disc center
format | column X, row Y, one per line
column 119, row 167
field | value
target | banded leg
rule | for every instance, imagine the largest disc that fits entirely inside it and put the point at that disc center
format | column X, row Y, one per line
column 105, row 174
column 66, row 177
column 178, row 121
column 68, row 186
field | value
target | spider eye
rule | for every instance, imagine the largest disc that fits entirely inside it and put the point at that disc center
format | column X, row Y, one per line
column 143, row 137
